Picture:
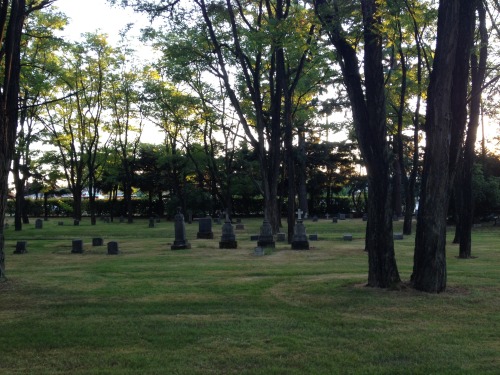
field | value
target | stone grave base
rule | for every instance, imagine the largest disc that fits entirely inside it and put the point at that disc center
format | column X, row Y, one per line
column 263, row 243
column 228, row 244
column 182, row 246
column 300, row 245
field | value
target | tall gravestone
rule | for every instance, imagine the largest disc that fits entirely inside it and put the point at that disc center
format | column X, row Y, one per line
column 228, row 239
column 205, row 228
column 266, row 238
column 299, row 239
column 180, row 241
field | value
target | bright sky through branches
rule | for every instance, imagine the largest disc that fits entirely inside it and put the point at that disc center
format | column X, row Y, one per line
column 99, row 15
column 92, row 15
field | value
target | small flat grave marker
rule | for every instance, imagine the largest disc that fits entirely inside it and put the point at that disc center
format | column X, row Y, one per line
column 97, row 241
column 313, row 237
column 398, row 236
column 259, row 251
column 347, row 237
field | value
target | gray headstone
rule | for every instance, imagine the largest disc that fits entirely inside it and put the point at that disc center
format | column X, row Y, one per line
column 38, row 224
column 76, row 222
column 313, row 237
column 334, row 219
column 347, row 237
column 398, row 236
column 228, row 239
column 205, row 228
column 365, row 217
column 21, row 247
column 240, row 226
column 180, row 242
column 299, row 239
column 341, row 216
column 77, row 247
column 151, row 222
column 97, row 241
column 280, row 237
column 266, row 238
column 315, row 218
column 113, row 248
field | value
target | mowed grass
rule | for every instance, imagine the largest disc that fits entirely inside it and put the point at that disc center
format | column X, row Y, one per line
column 151, row 310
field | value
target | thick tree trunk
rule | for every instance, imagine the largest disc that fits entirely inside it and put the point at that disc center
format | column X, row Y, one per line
column 370, row 124
column 9, row 93
column 429, row 268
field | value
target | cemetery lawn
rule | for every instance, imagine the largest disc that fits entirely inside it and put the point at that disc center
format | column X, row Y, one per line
column 151, row 310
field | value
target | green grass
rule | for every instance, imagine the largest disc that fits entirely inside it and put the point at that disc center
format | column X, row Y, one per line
column 151, row 310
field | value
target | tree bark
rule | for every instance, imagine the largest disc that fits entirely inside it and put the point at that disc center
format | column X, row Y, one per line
column 12, row 20
column 478, row 73
column 429, row 267
column 370, row 124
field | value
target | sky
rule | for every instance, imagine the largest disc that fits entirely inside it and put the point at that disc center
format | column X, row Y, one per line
column 91, row 15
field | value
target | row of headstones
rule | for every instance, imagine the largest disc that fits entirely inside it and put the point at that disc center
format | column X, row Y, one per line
column 39, row 223
column 228, row 238
column 76, row 246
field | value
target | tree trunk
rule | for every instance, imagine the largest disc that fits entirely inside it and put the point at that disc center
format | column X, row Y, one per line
column 18, row 214
column 478, row 73
column 370, row 124
column 302, row 172
column 429, row 267
column 9, row 94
